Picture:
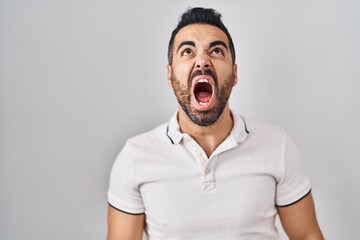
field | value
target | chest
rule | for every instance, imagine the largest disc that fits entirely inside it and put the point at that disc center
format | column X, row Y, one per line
column 183, row 192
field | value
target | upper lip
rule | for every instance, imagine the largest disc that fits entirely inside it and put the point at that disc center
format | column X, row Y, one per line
column 197, row 78
column 207, row 77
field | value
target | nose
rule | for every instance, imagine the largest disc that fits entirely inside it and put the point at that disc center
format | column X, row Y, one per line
column 202, row 62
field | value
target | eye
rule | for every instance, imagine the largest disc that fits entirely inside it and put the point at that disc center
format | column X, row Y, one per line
column 217, row 51
column 186, row 52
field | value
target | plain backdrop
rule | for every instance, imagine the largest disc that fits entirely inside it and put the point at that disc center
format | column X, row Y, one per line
column 77, row 78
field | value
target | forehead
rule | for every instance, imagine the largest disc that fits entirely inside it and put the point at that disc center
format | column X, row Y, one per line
column 200, row 34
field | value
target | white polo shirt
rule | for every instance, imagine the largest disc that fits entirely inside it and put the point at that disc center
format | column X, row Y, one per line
column 233, row 194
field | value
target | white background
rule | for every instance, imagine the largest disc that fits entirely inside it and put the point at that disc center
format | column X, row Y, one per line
column 77, row 78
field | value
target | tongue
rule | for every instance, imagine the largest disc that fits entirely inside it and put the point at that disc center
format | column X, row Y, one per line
column 203, row 97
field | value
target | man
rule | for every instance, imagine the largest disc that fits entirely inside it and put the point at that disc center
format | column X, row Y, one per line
column 208, row 173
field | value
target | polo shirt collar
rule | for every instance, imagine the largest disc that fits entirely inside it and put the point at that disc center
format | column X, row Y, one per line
column 238, row 133
column 173, row 130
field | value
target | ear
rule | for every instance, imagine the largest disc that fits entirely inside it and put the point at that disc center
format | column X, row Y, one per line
column 169, row 74
column 235, row 74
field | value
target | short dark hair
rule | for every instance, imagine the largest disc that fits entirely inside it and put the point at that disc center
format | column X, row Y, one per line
column 200, row 16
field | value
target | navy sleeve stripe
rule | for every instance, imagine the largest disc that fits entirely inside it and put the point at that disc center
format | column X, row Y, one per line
column 295, row 201
column 124, row 211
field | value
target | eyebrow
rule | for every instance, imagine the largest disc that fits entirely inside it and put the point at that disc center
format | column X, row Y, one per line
column 212, row 44
column 215, row 43
column 191, row 43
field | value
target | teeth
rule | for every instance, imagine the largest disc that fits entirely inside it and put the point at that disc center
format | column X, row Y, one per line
column 203, row 80
column 201, row 103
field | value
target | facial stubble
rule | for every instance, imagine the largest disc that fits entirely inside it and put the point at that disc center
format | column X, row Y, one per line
column 221, row 94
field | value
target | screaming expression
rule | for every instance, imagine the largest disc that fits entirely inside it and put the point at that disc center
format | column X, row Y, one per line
column 210, row 98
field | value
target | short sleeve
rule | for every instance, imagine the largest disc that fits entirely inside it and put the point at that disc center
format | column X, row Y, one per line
column 123, row 193
column 294, row 183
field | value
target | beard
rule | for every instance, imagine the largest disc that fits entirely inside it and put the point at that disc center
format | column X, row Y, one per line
column 221, row 95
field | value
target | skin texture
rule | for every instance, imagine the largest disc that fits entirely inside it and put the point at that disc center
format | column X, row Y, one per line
column 201, row 56
column 123, row 226
column 299, row 219
column 202, row 50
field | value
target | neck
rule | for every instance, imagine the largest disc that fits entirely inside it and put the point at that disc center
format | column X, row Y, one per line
column 208, row 137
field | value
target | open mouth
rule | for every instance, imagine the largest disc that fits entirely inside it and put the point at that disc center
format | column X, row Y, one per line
column 203, row 91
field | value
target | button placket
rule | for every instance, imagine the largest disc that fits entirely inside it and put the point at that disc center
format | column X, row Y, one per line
column 208, row 181
column 194, row 148
column 206, row 166
column 208, row 174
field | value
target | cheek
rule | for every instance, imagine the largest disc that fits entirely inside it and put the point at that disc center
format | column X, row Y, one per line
column 223, row 71
column 183, row 71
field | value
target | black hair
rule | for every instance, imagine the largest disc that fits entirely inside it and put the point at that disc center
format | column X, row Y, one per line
column 200, row 16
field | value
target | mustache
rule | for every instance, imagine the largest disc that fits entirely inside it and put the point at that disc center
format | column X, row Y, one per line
column 203, row 72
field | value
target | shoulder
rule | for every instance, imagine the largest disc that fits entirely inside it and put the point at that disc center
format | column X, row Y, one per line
column 142, row 144
column 264, row 131
column 154, row 137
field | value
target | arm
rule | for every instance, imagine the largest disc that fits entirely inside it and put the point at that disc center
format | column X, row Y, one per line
column 299, row 220
column 123, row 226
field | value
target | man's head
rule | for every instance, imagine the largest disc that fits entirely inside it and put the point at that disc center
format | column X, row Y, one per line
column 202, row 69
column 200, row 16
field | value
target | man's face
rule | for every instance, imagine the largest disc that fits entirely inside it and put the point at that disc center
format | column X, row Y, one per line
column 202, row 73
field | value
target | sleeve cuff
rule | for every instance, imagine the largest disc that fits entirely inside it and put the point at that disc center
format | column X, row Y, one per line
column 298, row 199
column 131, row 213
